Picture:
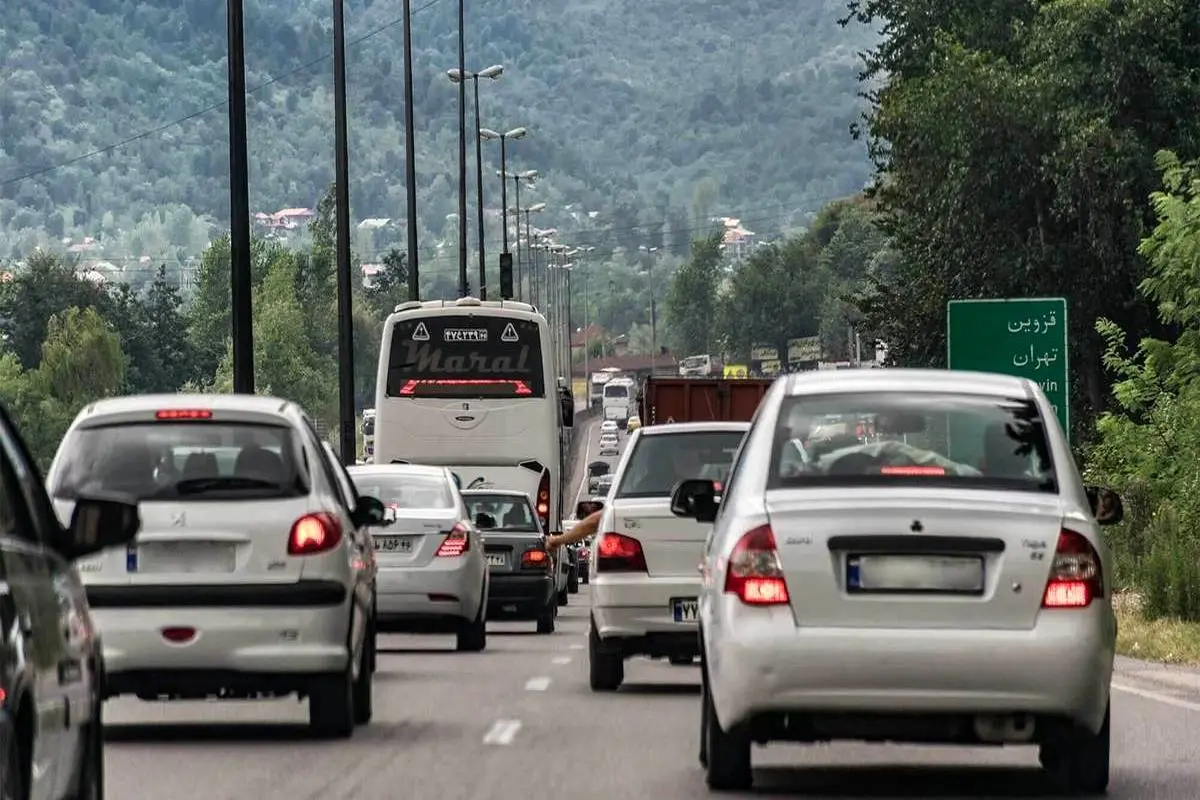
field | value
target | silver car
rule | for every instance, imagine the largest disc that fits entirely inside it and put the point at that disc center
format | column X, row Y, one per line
column 432, row 570
column 944, row 582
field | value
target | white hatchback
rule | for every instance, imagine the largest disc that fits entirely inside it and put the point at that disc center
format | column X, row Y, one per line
column 644, row 575
column 252, row 575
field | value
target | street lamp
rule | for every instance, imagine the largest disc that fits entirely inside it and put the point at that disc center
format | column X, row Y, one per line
column 492, row 73
column 462, row 151
column 533, row 209
column 515, row 133
column 529, row 175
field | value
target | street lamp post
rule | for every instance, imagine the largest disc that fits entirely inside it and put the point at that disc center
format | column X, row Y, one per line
column 493, row 72
column 650, row 251
column 515, row 133
column 528, row 175
column 341, row 191
column 533, row 209
column 462, row 151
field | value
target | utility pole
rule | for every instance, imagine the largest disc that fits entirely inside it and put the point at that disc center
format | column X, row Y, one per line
column 341, row 192
column 240, row 284
column 410, row 158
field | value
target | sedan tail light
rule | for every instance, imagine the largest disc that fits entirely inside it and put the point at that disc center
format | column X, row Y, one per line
column 456, row 543
column 1076, row 577
column 616, row 552
column 755, row 573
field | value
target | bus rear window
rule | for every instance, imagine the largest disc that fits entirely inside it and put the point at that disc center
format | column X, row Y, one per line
column 466, row 357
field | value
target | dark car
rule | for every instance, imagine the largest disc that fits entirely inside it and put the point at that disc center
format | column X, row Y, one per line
column 522, row 571
column 583, row 551
column 51, row 661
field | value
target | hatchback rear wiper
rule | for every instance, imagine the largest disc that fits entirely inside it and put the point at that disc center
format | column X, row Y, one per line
column 220, row 482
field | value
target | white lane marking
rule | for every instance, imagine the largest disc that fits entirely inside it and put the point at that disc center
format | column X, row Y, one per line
column 1158, row 696
column 539, row 684
column 575, row 647
column 563, row 660
column 502, row 732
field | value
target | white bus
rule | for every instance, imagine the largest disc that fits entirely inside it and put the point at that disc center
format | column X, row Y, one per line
column 620, row 400
column 472, row 385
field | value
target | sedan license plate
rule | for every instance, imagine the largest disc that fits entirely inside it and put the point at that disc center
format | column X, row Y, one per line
column 685, row 609
column 393, row 544
column 915, row 574
column 497, row 560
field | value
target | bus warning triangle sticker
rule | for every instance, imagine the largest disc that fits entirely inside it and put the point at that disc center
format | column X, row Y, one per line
column 421, row 334
column 510, row 334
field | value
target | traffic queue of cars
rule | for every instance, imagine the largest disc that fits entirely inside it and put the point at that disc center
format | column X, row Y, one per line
column 884, row 556
column 878, row 555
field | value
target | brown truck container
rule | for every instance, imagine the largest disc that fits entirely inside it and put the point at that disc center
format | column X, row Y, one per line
column 700, row 399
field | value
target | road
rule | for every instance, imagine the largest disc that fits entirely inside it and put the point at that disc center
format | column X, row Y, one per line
column 518, row 722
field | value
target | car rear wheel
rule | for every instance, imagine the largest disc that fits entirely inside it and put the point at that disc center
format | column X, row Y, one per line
column 564, row 596
column 583, row 575
column 546, row 617
column 364, row 701
column 472, row 636
column 726, row 753
column 12, row 768
column 606, row 669
column 90, row 783
column 331, row 706
column 573, row 582
column 1081, row 767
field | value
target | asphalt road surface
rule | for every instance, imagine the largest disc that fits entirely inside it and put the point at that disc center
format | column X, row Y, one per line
column 518, row 722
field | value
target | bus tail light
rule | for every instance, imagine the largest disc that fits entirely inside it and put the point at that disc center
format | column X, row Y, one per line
column 543, row 500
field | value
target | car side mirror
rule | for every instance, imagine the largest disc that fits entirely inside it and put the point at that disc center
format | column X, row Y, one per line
column 369, row 512
column 585, row 508
column 486, row 521
column 696, row 499
column 100, row 520
column 1106, row 505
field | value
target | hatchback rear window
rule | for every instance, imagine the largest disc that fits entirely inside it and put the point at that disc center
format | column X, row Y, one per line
column 182, row 460
column 921, row 438
column 661, row 461
column 406, row 491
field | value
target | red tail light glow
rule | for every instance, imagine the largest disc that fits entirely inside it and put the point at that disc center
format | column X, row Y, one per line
column 543, row 500
column 519, row 388
column 616, row 552
column 1076, row 577
column 456, row 543
column 535, row 558
column 913, row 470
column 755, row 573
column 183, row 413
column 314, row 533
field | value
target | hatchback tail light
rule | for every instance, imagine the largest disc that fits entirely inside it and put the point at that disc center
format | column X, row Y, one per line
column 314, row 533
column 616, row 552
column 456, row 543
column 755, row 573
column 1076, row 577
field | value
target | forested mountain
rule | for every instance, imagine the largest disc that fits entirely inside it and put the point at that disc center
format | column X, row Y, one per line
column 644, row 111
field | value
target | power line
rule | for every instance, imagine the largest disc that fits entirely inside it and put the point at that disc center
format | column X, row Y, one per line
column 214, row 107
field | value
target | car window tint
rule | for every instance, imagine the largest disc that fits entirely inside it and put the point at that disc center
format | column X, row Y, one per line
column 402, row 491
column 661, row 461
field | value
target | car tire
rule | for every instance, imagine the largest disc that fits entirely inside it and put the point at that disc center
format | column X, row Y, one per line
column 1081, row 767
column 364, row 700
column 704, row 703
column 573, row 582
column 546, row 617
column 564, row 596
column 331, row 706
column 728, row 753
column 89, row 784
column 13, row 767
column 583, row 576
column 606, row 669
column 472, row 636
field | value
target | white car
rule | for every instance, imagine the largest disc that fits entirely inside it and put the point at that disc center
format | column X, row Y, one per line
column 433, row 571
column 608, row 426
column 643, row 573
column 609, row 445
column 251, row 575
column 945, row 582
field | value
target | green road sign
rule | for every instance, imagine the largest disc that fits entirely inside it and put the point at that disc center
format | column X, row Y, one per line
column 1025, row 338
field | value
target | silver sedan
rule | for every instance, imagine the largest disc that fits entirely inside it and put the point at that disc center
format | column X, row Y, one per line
column 937, row 576
column 432, row 570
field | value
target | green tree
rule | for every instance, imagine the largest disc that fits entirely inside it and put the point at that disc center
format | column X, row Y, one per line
column 48, row 286
column 692, row 298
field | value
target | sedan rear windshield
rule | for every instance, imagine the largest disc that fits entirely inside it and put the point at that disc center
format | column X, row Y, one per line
column 912, row 439
column 406, row 491
column 511, row 513
column 182, row 460
column 661, row 461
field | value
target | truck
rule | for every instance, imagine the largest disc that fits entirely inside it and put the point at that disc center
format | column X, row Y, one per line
column 664, row 400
